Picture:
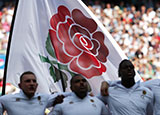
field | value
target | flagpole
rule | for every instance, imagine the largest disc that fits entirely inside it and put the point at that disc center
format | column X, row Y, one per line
column 8, row 49
column 62, row 80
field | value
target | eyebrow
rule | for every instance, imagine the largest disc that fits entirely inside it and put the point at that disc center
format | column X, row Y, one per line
column 27, row 80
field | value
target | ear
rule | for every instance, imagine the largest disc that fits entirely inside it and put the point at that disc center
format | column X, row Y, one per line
column 119, row 73
column 19, row 85
column 71, row 88
column 36, row 85
column 89, row 87
column 134, row 72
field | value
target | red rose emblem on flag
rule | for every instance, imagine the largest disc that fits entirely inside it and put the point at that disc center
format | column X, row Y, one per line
column 77, row 43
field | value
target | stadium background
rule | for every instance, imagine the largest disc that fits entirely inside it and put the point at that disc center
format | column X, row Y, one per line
column 134, row 24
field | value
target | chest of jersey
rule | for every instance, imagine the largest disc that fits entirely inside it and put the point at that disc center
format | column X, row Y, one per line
column 82, row 107
column 131, row 100
column 20, row 106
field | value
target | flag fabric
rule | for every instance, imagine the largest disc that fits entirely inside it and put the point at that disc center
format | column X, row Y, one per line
column 61, row 37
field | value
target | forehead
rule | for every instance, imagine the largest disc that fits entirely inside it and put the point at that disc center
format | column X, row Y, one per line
column 28, row 76
column 78, row 78
column 126, row 63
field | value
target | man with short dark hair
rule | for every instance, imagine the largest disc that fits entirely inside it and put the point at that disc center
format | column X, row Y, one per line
column 27, row 102
column 79, row 102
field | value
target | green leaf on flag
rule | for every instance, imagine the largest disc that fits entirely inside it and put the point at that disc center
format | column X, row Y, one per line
column 44, row 59
column 52, row 63
column 65, row 67
column 58, row 75
column 49, row 47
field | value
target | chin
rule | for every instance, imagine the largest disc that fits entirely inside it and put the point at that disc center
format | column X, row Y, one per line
column 31, row 93
column 83, row 91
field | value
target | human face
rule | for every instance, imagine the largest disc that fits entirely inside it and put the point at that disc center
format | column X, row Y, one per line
column 79, row 85
column 28, row 85
column 127, row 70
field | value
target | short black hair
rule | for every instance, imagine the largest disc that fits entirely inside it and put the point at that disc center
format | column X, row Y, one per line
column 27, row 72
column 75, row 75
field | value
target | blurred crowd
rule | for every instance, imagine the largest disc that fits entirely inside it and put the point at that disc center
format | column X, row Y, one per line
column 6, row 14
column 136, row 28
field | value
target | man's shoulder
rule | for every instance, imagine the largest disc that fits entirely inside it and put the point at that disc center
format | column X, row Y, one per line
column 9, row 98
column 95, row 99
column 113, row 83
column 145, row 90
column 151, row 83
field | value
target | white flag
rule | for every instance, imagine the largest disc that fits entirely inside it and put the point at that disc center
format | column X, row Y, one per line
column 52, row 35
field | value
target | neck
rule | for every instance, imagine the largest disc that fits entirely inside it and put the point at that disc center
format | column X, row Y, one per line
column 81, row 95
column 128, row 83
column 29, row 95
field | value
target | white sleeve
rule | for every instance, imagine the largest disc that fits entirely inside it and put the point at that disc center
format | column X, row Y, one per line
column 53, row 96
column 1, row 109
column 51, row 100
column 66, row 94
column 102, row 98
column 56, row 110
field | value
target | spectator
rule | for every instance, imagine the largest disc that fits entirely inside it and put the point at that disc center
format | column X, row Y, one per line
column 135, row 30
column 108, row 11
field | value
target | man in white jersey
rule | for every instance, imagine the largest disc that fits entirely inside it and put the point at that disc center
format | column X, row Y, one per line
column 27, row 102
column 79, row 102
column 126, row 97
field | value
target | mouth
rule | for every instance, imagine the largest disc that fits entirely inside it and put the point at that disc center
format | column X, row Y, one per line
column 130, row 73
column 83, row 88
column 32, row 88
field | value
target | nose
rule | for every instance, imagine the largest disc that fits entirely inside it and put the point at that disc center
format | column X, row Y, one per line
column 81, row 82
column 129, row 68
column 32, row 82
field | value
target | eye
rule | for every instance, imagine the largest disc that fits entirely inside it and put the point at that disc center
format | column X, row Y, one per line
column 27, row 81
column 84, row 80
column 77, row 81
column 132, row 67
column 34, row 81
